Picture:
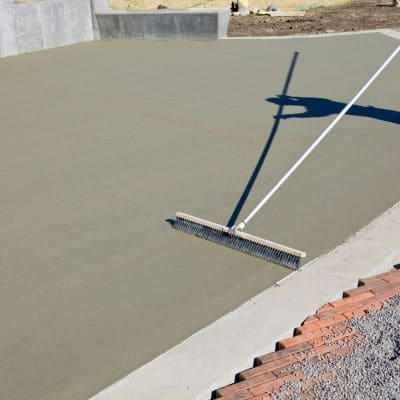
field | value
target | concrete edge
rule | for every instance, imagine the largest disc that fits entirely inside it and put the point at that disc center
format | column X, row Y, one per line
column 391, row 33
column 166, row 11
column 210, row 358
column 388, row 32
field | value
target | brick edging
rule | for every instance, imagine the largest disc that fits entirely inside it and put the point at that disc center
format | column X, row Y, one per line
column 319, row 334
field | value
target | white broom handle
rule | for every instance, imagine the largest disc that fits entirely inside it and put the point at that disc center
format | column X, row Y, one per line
column 317, row 141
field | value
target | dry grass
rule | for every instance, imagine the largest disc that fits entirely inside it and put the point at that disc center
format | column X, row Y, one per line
column 261, row 4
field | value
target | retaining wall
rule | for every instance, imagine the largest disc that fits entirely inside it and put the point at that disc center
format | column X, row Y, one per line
column 26, row 27
column 166, row 24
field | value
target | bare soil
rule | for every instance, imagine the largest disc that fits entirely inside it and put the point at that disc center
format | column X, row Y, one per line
column 353, row 16
column 253, row 4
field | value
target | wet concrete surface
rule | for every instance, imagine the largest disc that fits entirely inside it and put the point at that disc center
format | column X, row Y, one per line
column 101, row 143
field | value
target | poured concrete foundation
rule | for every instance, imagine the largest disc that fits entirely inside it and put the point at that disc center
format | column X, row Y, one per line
column 164, row 24
column 32, row 26
column 102, row 142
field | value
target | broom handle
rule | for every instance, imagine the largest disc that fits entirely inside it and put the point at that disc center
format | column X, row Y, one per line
column 317, row 142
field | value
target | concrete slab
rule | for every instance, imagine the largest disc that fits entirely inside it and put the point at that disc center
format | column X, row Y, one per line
column 101, row 143
column 212, row 357
column 394, row 33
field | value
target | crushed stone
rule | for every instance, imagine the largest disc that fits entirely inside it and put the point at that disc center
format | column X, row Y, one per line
column 370, row 371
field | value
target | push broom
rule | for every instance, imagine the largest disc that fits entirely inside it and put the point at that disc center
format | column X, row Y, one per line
column 234, row 236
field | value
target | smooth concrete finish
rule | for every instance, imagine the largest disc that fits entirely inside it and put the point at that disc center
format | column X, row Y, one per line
column 394, row 33
column 98, row 7
column 165, row 24
column 313, row 36
column 212, row 357
column 27, row 27
column 8, row 39
column 102, row 142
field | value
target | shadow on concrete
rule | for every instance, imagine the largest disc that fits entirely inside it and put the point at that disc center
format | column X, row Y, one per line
column 170, row 221
column 243, row 198
column 317, row 107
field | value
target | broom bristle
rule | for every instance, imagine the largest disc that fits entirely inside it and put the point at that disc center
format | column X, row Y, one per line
column 240, row 241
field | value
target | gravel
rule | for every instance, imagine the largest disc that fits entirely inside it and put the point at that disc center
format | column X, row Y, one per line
column 370, row 371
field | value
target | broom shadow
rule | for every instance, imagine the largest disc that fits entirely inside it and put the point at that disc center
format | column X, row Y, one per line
column 249, row 186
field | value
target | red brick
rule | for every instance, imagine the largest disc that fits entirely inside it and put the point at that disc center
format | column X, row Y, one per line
column 309, row 319
column 385, row 275
column 296, row 340
column 275, row 384
column 338, row 337
column 344, row 351
column 243, row 395
column 365, row 288
column 351, row 305
column 352, row 299
column 354, row 314
column 371, row 282
column 282, row 353
column 272, row 365
column 248, row 383
column 362, row 310
column 307, row 337
column 321, row 323
column 288, row 370
column 264, row 396
column 324, row 308
column 334, row 350
column 326, row 348
column 390, row 290
column 319, row 334
column 393, row 278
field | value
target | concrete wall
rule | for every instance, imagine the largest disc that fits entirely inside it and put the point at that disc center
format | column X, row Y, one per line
column 7, row 28
column 167, row 24
column 26, row 27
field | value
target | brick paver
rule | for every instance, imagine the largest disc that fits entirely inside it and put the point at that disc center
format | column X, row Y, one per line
column 324, row 332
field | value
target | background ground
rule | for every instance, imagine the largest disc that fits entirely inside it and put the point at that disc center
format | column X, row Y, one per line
column 321, row 15
column 352, row 16
column 281, row 4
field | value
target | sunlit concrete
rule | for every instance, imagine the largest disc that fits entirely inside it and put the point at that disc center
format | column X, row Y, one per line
column 101, row 143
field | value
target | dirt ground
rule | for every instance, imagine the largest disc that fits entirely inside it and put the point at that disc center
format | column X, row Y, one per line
column 259, row 4
column 322, row 16
column 353, row 16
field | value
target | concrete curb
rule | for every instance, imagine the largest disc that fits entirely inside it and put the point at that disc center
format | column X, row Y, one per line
column 212, row 356
column 394, row 33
